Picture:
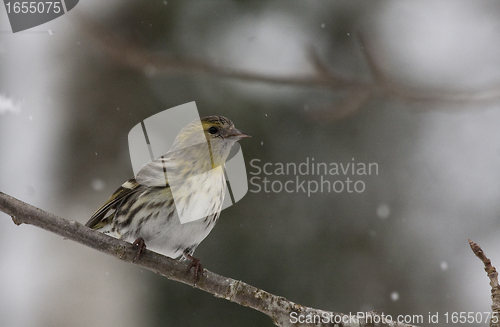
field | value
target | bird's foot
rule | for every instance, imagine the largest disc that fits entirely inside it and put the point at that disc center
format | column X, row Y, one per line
column 142, row 246
column 196, row 263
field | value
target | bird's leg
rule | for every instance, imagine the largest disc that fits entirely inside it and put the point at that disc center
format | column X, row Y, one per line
column 198, row 268
column 142, row 246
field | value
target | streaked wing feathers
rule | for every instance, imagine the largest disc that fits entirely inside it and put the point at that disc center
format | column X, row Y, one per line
column 129, row 187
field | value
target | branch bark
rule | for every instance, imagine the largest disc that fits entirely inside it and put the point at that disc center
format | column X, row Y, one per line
column 495, row 288
column 282, row 311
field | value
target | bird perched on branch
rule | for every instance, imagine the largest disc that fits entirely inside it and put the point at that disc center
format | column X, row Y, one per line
column 187, row 180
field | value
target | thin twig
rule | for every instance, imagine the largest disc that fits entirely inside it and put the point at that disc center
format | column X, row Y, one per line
column 374, row 66
column 282, row 311
column 493, row 276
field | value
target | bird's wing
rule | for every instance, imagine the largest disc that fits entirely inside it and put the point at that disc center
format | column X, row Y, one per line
column 129, row 187
column 154, row 174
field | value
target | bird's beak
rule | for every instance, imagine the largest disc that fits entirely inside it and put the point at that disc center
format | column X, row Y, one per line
column 237, row 134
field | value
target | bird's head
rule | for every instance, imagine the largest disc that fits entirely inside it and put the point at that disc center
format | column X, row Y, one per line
column 218, row 131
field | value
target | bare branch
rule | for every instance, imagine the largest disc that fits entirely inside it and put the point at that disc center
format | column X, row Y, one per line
column 377, row 71
column 161, row 63
column 282, row 311
column 495, row 288
column 155, row 63
column 352, row 103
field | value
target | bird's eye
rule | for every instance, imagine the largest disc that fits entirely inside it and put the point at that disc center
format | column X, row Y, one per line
column 213, row 130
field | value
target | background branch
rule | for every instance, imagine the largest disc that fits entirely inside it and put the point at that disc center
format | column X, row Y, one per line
column 495, row 288
column 278, row 308
column 359, row 92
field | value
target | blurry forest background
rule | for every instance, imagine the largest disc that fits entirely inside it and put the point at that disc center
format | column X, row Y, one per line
column 413, row 86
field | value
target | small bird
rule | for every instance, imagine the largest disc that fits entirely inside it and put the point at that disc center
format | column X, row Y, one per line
column 144, row 211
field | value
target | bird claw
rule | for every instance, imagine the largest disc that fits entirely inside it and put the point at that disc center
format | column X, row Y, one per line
column 198, row 268
column 142, row 246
